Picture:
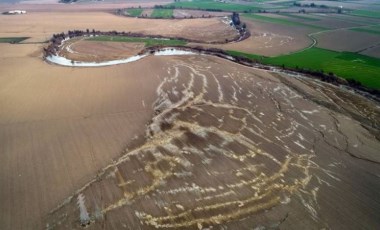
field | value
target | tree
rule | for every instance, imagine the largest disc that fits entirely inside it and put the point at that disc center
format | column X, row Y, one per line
column 235, row 19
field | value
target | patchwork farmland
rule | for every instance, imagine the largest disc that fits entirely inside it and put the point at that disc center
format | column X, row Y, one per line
column 198, row 114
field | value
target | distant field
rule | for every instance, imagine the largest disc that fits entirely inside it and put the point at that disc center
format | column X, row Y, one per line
column 366, row 13
column 213, row 5
column 366, row 30
column 162, row 13
column 279, row 21
column 13, row 39
column 344, row 64
column 135, row 12
column 148, row 41
column 305, row 18
column 246, row 55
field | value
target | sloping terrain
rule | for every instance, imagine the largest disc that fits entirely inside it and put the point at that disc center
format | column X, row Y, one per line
column 178, row 142
column 240, row 148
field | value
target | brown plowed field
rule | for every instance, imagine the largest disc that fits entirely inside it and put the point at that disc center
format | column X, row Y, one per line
column 269, row 39
column 57, row 22
column 91, row 6
column 94, row 51
column 180, row 142
column 346, row 40
column 60, row 125
column 179, row 13
column 373, row 52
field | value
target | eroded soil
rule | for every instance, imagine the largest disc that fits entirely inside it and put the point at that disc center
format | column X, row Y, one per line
column 239, row 148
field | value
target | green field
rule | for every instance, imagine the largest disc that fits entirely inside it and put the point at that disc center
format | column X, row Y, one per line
column 279, row 21
column 343, row 64
column 366, row 13
column 305, row 18
column 13, row 39
column 134, row 12
column 162, row 13
column 213, row 5
column 246, row 55
column 148, row 41
column 366, row 30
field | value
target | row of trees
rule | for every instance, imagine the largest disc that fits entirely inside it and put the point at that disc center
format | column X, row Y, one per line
column 57, row 39
column 240, row 27
column 312, row 5
column 180, row 7
column 67, row 1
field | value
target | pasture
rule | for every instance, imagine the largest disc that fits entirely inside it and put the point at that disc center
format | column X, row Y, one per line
column 215, row 6
column 162, row 13
column 371, row 30
column 12, row 39
column 343, row 64
column 302, row 17
column 134, row 12
column 366, row 13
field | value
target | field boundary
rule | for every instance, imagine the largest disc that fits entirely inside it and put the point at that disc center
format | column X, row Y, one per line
column 254, row 63
column 315, row 40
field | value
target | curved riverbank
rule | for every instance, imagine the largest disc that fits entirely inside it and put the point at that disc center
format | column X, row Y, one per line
column 59, row 60
column 198, row 50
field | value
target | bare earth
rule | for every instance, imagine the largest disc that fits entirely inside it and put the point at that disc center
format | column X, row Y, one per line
column 374, row 51
column 238, row 148
column 40, row 26
column 269, row 39
column 179, row 142
column 91, row 6
column 179, row 13
column 347, row 40
column 60, row 125
column 93, row 51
